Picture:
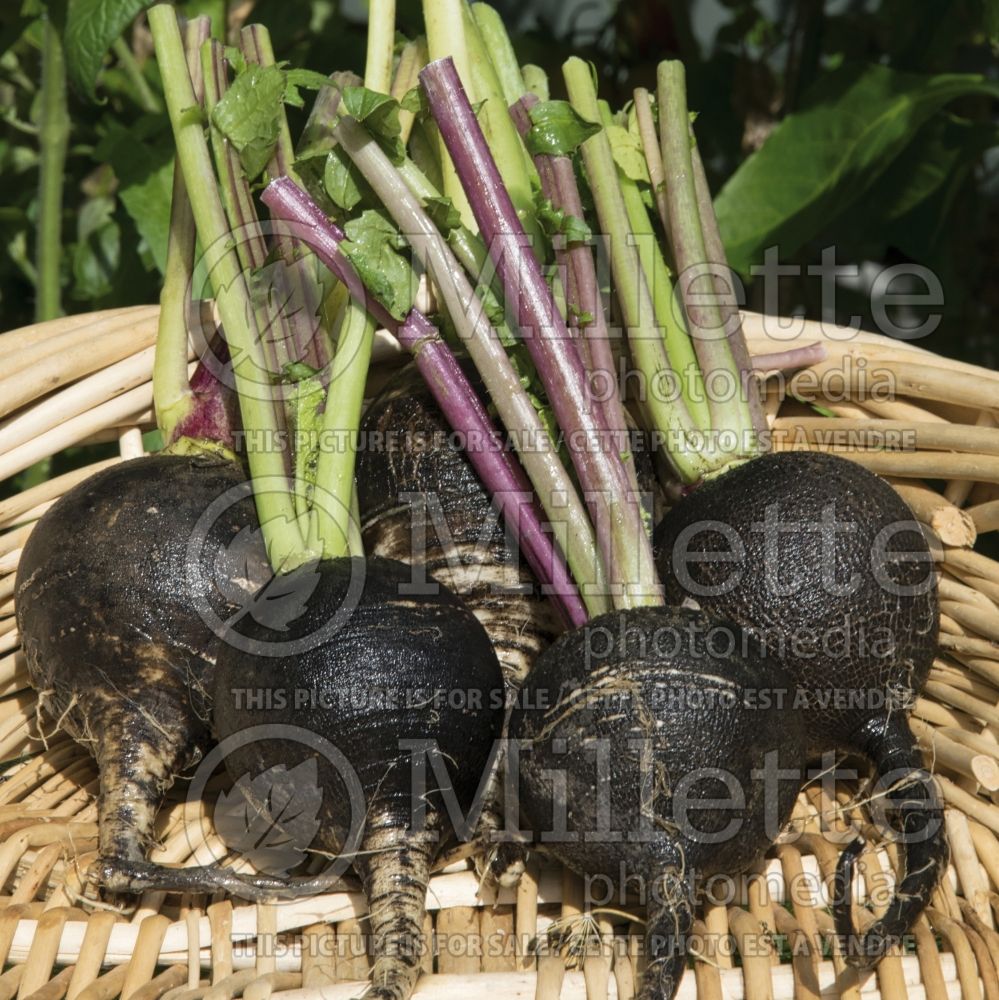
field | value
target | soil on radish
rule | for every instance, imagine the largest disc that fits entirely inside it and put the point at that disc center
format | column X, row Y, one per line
column 107, row 598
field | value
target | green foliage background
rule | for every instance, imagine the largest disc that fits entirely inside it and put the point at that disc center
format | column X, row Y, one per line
column 868, row 125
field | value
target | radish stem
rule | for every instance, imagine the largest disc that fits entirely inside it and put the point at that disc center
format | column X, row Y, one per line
column 413, row 58
column 678, row 346
column 456, row 397
column 669, row 413
column 172, row 394
column 725, row 290
column 329, row 530
column 551, row 482
column 381, row 45
column 445, row 24
column 729, row 411
column 620, row 531
column 497, row 43
column 653, row 154
column 558, row 184
column 257, row 404
column 507, row 150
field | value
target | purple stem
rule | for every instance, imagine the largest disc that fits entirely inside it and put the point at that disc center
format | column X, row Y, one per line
column 462, row 408
column 614, row 510
column 215, row 414
column 791, row 359
column 558, row 184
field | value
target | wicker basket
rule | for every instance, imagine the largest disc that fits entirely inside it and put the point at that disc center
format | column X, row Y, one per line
column 923, row 421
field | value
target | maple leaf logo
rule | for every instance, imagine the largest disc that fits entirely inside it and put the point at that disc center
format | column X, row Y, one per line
column 271, row 820
column 246, row 581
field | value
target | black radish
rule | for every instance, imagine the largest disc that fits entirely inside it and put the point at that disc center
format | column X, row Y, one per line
column 648, row 746
column 117, row 591
column 422, row 503
column 825, row 563
column 396, row 683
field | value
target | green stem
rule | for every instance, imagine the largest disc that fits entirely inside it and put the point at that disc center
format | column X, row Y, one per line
column 510, row 154
column 172, row 393
column 497, row 43
column 445, row 24
column 330, row 527
column 555, row 490
column 381, row 45
column 407, row 76
column 240, row 209
column 653, row 154
column 147, row 100
column 725, row 291
column 53, row 142
column 679, row 349
column 535, row 81
column 297, row 284
column 275, row 506
column 729, row 411
column 669, row 413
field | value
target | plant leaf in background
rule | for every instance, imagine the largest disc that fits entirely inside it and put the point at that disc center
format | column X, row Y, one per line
column 91, row 28
column 909, row 202
column 98, row 249
column 145, row 180
column 820, row 160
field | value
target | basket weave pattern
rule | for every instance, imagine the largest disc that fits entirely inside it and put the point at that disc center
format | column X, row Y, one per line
column 926, row 423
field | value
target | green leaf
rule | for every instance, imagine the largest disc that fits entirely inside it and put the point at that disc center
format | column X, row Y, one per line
column 342, row 180
column 822, row 159
column 628, row 153
column 943, row 149
column 379, row 114
column 144, row 170
column 97, row 252
column 556, row 221
column 91, row 28
column 443, row 214
column 249, row 115
column 415, row 102
column 297, row 78
column 372, row 246
column 557, row 129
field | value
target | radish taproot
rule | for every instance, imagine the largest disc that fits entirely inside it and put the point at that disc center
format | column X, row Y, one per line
column 648, row 747
column 404, row 681
column 828, row 566
column 107, row 597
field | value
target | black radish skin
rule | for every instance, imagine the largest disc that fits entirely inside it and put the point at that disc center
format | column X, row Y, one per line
column 667, row 699
column 374, row 675
column 115, row 646
column 843, row 594
column 412, row 478
column 421, row 502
